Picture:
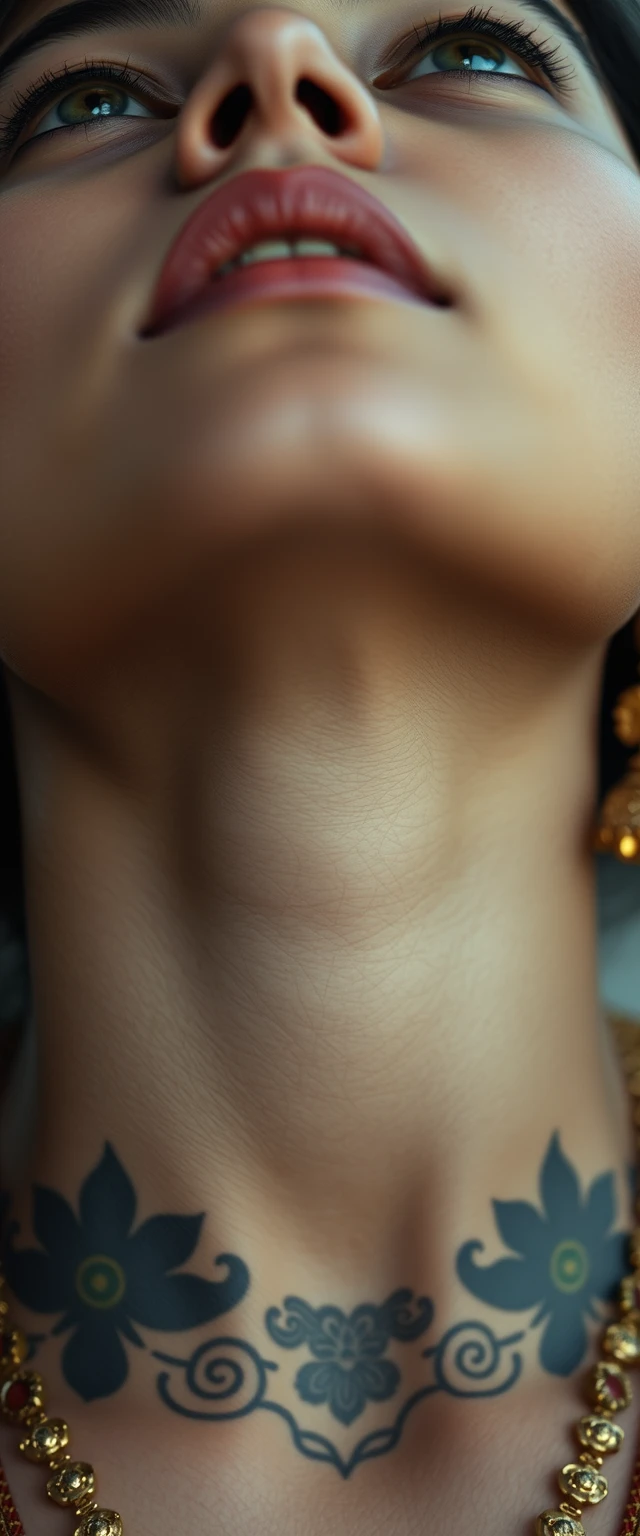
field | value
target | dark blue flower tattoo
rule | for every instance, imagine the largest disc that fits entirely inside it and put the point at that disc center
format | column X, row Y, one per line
column 101, row 1275
column 567, row 1259
column 348, row 1370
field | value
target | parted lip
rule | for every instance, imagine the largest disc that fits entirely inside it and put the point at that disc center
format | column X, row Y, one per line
column 297, row 201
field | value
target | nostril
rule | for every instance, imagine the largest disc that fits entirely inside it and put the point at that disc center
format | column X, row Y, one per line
column 230, row 116
column 324, row 109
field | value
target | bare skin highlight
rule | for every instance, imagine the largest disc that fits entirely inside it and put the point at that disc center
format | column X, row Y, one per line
column 304, row 607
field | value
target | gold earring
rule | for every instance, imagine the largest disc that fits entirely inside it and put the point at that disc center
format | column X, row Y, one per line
column 617, row 829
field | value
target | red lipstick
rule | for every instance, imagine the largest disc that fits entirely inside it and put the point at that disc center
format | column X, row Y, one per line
column 302, row 201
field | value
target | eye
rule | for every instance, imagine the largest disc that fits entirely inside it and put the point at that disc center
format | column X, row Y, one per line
column 101, row 91
column 477, row 44
column 469, row 56
column 88, row 103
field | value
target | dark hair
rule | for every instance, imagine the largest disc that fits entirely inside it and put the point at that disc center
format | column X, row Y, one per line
column 612, row 28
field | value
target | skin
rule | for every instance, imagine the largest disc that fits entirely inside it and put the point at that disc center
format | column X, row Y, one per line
column 303, row 611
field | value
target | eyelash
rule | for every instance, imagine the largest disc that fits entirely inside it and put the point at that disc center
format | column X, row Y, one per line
column 475, row 23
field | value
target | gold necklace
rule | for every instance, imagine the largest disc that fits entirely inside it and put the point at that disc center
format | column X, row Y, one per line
column 582, row 1482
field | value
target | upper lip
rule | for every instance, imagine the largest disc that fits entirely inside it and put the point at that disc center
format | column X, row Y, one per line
column 301, row 200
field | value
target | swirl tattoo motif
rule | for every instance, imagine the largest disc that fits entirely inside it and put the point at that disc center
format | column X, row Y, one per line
column 227, row 1374
column 228, row 1379
column 470, row 1353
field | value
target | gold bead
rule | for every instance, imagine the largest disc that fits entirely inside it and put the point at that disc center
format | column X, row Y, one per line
column 618, row 822
column 14, row 1348
column 22, row 1396
column 45, row 1440
column 630, row 1294
column 609, row 1386
column 634, row 1248
column 106, row 1522
column 553, row 1522
column 584, row 1484
column 599, row 1434
column 71, row 1482
column 626, row 716
column 622, row 1342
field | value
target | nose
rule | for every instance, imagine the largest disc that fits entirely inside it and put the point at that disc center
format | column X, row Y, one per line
column 276, row 94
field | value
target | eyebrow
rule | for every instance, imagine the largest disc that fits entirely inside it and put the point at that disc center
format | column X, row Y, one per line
column 82, row 16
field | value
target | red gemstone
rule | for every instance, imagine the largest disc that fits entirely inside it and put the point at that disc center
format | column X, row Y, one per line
column 614, row 1387
column 17, row 1396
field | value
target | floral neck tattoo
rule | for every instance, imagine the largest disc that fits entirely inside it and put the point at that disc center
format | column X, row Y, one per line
column 105, row 1276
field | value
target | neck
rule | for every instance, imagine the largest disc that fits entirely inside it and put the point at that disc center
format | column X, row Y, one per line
column 313, row 954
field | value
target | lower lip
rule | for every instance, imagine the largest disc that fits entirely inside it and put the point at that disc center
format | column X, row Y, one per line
column 305, row 277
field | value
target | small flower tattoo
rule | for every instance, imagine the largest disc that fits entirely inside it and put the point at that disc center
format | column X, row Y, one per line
column 348, row 1370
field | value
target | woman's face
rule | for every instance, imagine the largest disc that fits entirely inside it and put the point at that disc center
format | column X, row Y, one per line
column 498, row 436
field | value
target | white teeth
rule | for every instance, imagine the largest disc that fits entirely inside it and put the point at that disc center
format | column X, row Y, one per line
column 277, row 250
column 316, row 248
column 266, row 250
